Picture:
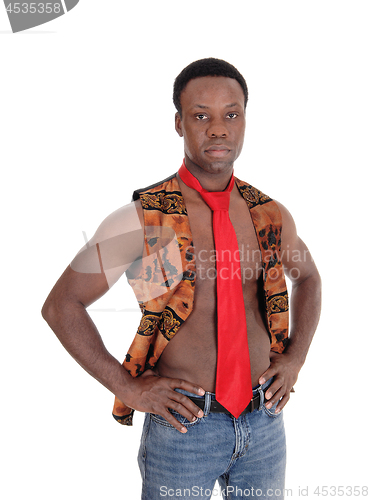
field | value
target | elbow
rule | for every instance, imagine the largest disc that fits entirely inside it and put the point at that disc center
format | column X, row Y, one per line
column 47, row 310
column 310, row 282
column 56, row 309
column 52, row 309
column 319, row 286
column 316, row 280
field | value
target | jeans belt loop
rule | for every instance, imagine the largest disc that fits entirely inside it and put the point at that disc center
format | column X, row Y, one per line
column 207, row 403
column 262, row 397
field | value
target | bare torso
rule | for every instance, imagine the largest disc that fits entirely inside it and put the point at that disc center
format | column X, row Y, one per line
column 192, row 353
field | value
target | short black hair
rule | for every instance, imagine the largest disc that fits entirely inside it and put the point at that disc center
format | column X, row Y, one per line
column 206, row 67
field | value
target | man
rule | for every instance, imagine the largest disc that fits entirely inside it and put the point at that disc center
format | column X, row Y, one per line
column 194, row 347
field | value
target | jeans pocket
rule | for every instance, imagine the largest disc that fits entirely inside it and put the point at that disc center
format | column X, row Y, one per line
column 183, row 420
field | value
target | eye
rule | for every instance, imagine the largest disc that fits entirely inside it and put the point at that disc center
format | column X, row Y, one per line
column 200, row 116
column 232, row 115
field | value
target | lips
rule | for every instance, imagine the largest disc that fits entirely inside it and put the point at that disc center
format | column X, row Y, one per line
column 218, row 150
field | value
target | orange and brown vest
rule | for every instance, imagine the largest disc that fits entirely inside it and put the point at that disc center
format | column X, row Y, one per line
column 164, row 284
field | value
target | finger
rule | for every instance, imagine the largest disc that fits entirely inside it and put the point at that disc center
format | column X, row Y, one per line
column 282, row 402
column 187, row 386
column 273, row 389
column 186, row 407
column 275, row 398
column 270, row 372
column 174, row 422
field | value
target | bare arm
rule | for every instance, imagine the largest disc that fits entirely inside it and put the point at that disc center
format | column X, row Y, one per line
column 116, row 244
column 305, row 306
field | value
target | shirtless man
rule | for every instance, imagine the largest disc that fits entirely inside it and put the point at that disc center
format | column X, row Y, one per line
column 246, row 453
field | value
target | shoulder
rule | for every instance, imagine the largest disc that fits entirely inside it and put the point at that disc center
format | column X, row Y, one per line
column 124, row 220
column 288, row 224
column 116, row 244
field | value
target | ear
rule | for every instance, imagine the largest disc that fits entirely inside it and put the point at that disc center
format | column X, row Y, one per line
column 178, row 124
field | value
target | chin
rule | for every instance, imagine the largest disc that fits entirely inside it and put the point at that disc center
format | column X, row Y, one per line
column 218, row 166
column 212, row 165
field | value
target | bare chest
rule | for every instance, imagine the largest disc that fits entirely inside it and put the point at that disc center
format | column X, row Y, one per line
column 192, row 353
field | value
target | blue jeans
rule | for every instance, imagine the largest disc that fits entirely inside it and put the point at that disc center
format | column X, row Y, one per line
column 246, row 455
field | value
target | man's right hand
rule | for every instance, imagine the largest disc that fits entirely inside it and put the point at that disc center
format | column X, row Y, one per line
column 154, row 394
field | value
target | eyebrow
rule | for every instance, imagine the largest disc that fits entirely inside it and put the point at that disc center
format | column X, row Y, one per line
column 201, row 106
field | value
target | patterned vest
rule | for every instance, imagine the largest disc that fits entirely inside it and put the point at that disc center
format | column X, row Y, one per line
column 171, row 268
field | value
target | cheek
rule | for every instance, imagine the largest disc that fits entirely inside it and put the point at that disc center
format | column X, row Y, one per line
column 192, row 141
column 240, row 140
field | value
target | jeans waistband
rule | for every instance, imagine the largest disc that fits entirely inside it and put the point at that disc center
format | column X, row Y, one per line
column 212, row 395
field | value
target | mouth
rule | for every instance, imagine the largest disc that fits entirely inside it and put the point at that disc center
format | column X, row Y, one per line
column 218, row 151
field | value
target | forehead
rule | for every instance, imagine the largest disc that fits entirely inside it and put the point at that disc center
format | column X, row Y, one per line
column 211, row 90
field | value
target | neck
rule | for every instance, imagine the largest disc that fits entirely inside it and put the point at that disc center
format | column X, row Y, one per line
column 216, row 178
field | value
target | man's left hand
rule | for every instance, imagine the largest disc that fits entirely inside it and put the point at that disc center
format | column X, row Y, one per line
column 284, row 368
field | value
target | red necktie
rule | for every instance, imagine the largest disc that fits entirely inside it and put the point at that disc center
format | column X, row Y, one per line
column 233, row 378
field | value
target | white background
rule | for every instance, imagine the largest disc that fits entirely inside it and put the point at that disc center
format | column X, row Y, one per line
column 86, row 118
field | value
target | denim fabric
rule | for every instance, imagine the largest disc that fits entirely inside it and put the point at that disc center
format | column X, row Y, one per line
column 246, row 455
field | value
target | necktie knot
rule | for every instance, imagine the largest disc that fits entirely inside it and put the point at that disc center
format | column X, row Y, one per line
column 216, row 200
column 219, row 200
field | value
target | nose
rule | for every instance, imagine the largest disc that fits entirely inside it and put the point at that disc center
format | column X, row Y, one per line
column 217, row 128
